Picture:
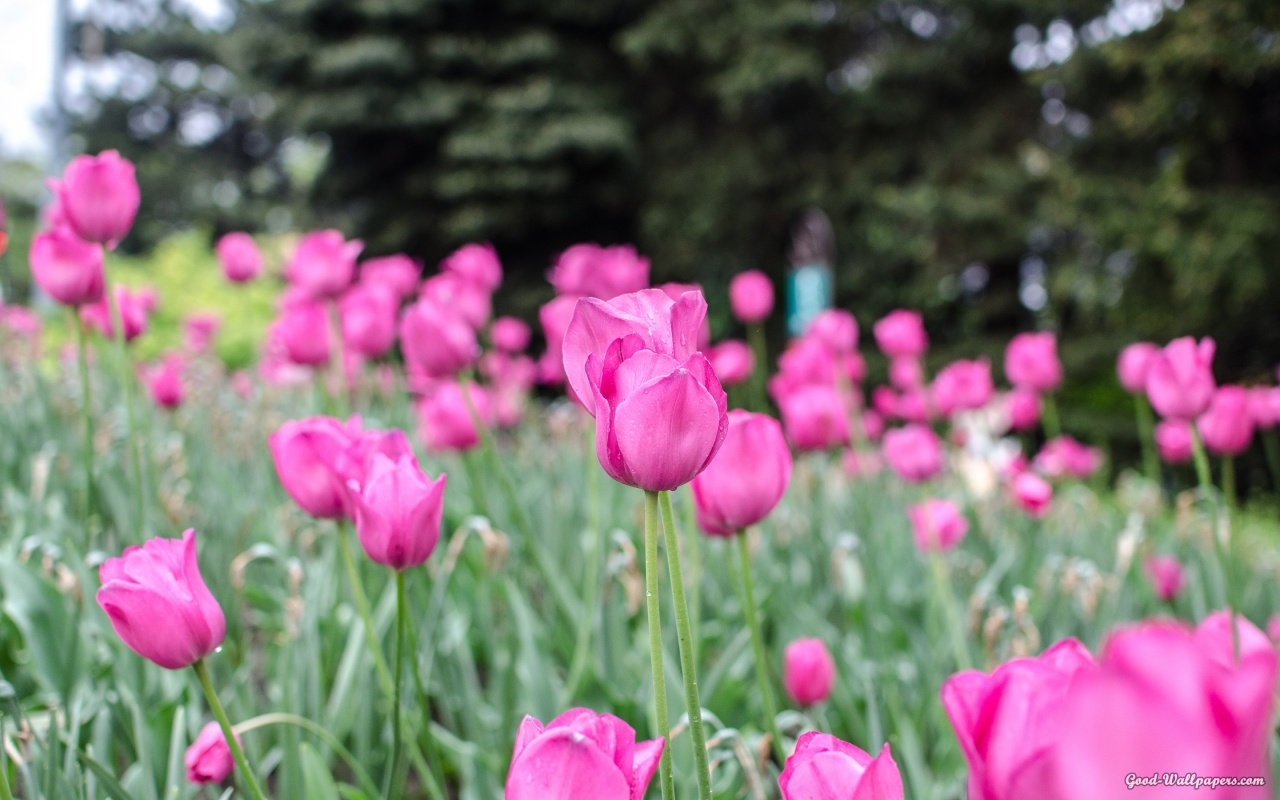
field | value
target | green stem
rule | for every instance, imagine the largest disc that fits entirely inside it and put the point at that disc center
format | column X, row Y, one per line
column 665, row 771
column 126, row 388
column 1229, row 481
column 362, row 776
column 694, row 540
column 86, row 415
column 757, row 644
column 1049, row 417
column 759, row 350
column 242, row 763
column 946, row 596
column 362, row 607
column 396, row 779
column 1147, row 436
column 1220, row 553
column 1271, row 445
column 586, row 627
column 428, row 767
column 688, row 667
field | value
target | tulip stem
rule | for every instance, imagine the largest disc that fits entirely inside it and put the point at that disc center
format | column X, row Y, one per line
column 242, row 763
column 1220, row 555
column 6, row 793
column 946, row 596
column 395, row 780
column 1146, row 435
column 695, row 574
column 1049, row 416
column 759, row 350
column 688, row 668
column 86, row 415
column 757, row 644
column 279, row 718
column 126, row 388
column 362, row 607
column 665, row 772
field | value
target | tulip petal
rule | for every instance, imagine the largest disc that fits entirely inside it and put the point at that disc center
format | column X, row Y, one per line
column 647, row 755
column 562, row 764
column 667, row 431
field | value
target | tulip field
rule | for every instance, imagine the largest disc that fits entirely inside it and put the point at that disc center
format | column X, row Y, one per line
column 417, row 551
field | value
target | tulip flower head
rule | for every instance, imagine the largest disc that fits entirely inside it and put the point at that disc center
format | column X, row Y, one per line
column 901, row 334
column 470, row 301
column 815, row 417
column 907, row 373
column 477, row 264
column 164, row 381
column 323, row 264
column 963, row 386
column 209, row 759
column 1227, row 425
column 1133, row 364
column 1023, row 408
column 302, row 332
column 158, row 603
column 134, row 306
column 1166, row 575
column 509, row 334
column 751, row 296
column 826, row 768
column 1063, row 456
column 445, row 422
column 747, row 477
column 99, row 197
column 368, row 315
column 732, row 361
column 1173, row 441
column 67, row 269
column 1180, row 380
column 239, row 256
column 938, row 524
column 397, row 273
column 913, row 452
column 836, row 329
column 398, row 511
column 580, row 755
column 1031, row 362
column 808, row 671
column 306, row 453
column 1032, row 494
column 436, row 340
column 589, row 270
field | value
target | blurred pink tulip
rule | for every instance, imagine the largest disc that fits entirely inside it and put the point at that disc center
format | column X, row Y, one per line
column 555, row 317
column 732, row 361
column 164, row 381
column 605, row 272
column 158, row 603
column 1133, row 364
column 836, row 329
column 302, row 331
column 209, row 759
column 747, row 477
column 368, row 315
column 1063, row 456
column 815, row 417
column 66, row 268
column 239, row 256
column 1166, row 575
column 323, row 264
column 436, row 341
column 470, row 301
column 963, row 386
column 751, row 296
column 901, row 333
column 397, row 273
column 200, row 328
column 906, row 372
column 805, row 362
column 808, row 671
column 1180, row 380
column 306, row 453
column 826, row 768
column 1264, row 406
column 511, row 379
column 581, row 755
column 1023, row 408
column 1031, row 362
column 477, row 264
column 1227, row 425
column 1173, row 440
column 510, row 334
column 1032, row 494
column 134, row 305
column 445, row 422
column 398, row 511
column 99, row 197
column 937, row 524
column 862, row 463
column 913, row 452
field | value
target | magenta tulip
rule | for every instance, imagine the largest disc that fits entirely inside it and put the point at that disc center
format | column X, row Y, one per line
column 1032, row 494
column 1023, row 408
column 509, row 334
column 732, row 361
column 1180, row 380
column 907, row 373
column 1173, row 441
column 306, row 453
column 1264, row 406
column 199, row 329
column 397, row 273
column 581, row 755
column 901, row 334
column 937, row 524
column 1063, row 456
column 1031, row 362
column 436, row 340
column 1133, row 364
column 836, row 329
column 164, row 382
column 663, row 326
column 368, row 315
column 510, row 379
column 605, row 272
column 805, row 362
column 302, row 331
column 99, row 197
column 913, row 452
column 808, row 671
column 1166, row 575
column 398, row 511
column 659, row 420
column 445, row 422
column 470, row 301
column 133, row 305
column 1227, row 425
column 555, row 317
column 826, row 768
column 751, row 296
column 239, row 256
column 747, row 477
column 323, row 264
column 963, row 386
column 1007, row 722
column 815, row 417
column 67, row 269
column 209, row 758
column 477, row 264
column 158, row 603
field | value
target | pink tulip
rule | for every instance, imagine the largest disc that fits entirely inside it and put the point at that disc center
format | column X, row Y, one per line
column 1031, row 362
column 158, row 603
column 302, row 331
column 470, row 301
column 477, row 264
column 1173, row 440
column 1180, row 380
column 901, row 333
column 1023, row 408
column 1227, row 426
column 368, row 315
column 306, row 453
column 872, row 424
column 664, row 326
column 397, row 273
column 963, row 386
column 436, row 341
column 815, row 417
column 937, row 524
column 200, row 328
column 1166, row 575
column 1007, row 722
column 808, row 671
column 659, row 420
column 581, row 755
column 747, row 477
column 1063, row 456
column 732, row 361
column 240, row 257
column 677, row 290
column 906, row 372
column 209, row 758
column 911, row 405
column 323, row 264
column 854, row 366
column 1165, row 699
column 66, row 268
column 555, row 317
column 20, row 320
column 164, row 382
column 510, row 379
column 805, row 362
column 751, row 296
column 913, row 452
column 510, row 334
column 1032, row 494
column 1133, row 364
column 1264, row 406
column 133, row 306
column 445, row 421
column 4, row 223
column 826, row 768
column 99, row 197
column 862, row 463
column 836, row 329
column 604, row 272
column 398, row 511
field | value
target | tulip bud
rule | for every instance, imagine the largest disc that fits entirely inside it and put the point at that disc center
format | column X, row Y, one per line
column 808, row 671
column 200, row 328
column 826, row 768
column 398, row 511
column 1166, row 575
column 99, row 197
column 164, row 382
column 66, row 268
column 240, row 258
column 1032, row 494
column 209, row 759
column 747, row 477
column 751, row 296
column 302, row 331
column 1063, row 456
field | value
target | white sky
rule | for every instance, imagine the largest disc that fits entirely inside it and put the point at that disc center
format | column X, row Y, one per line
column 26, row 74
